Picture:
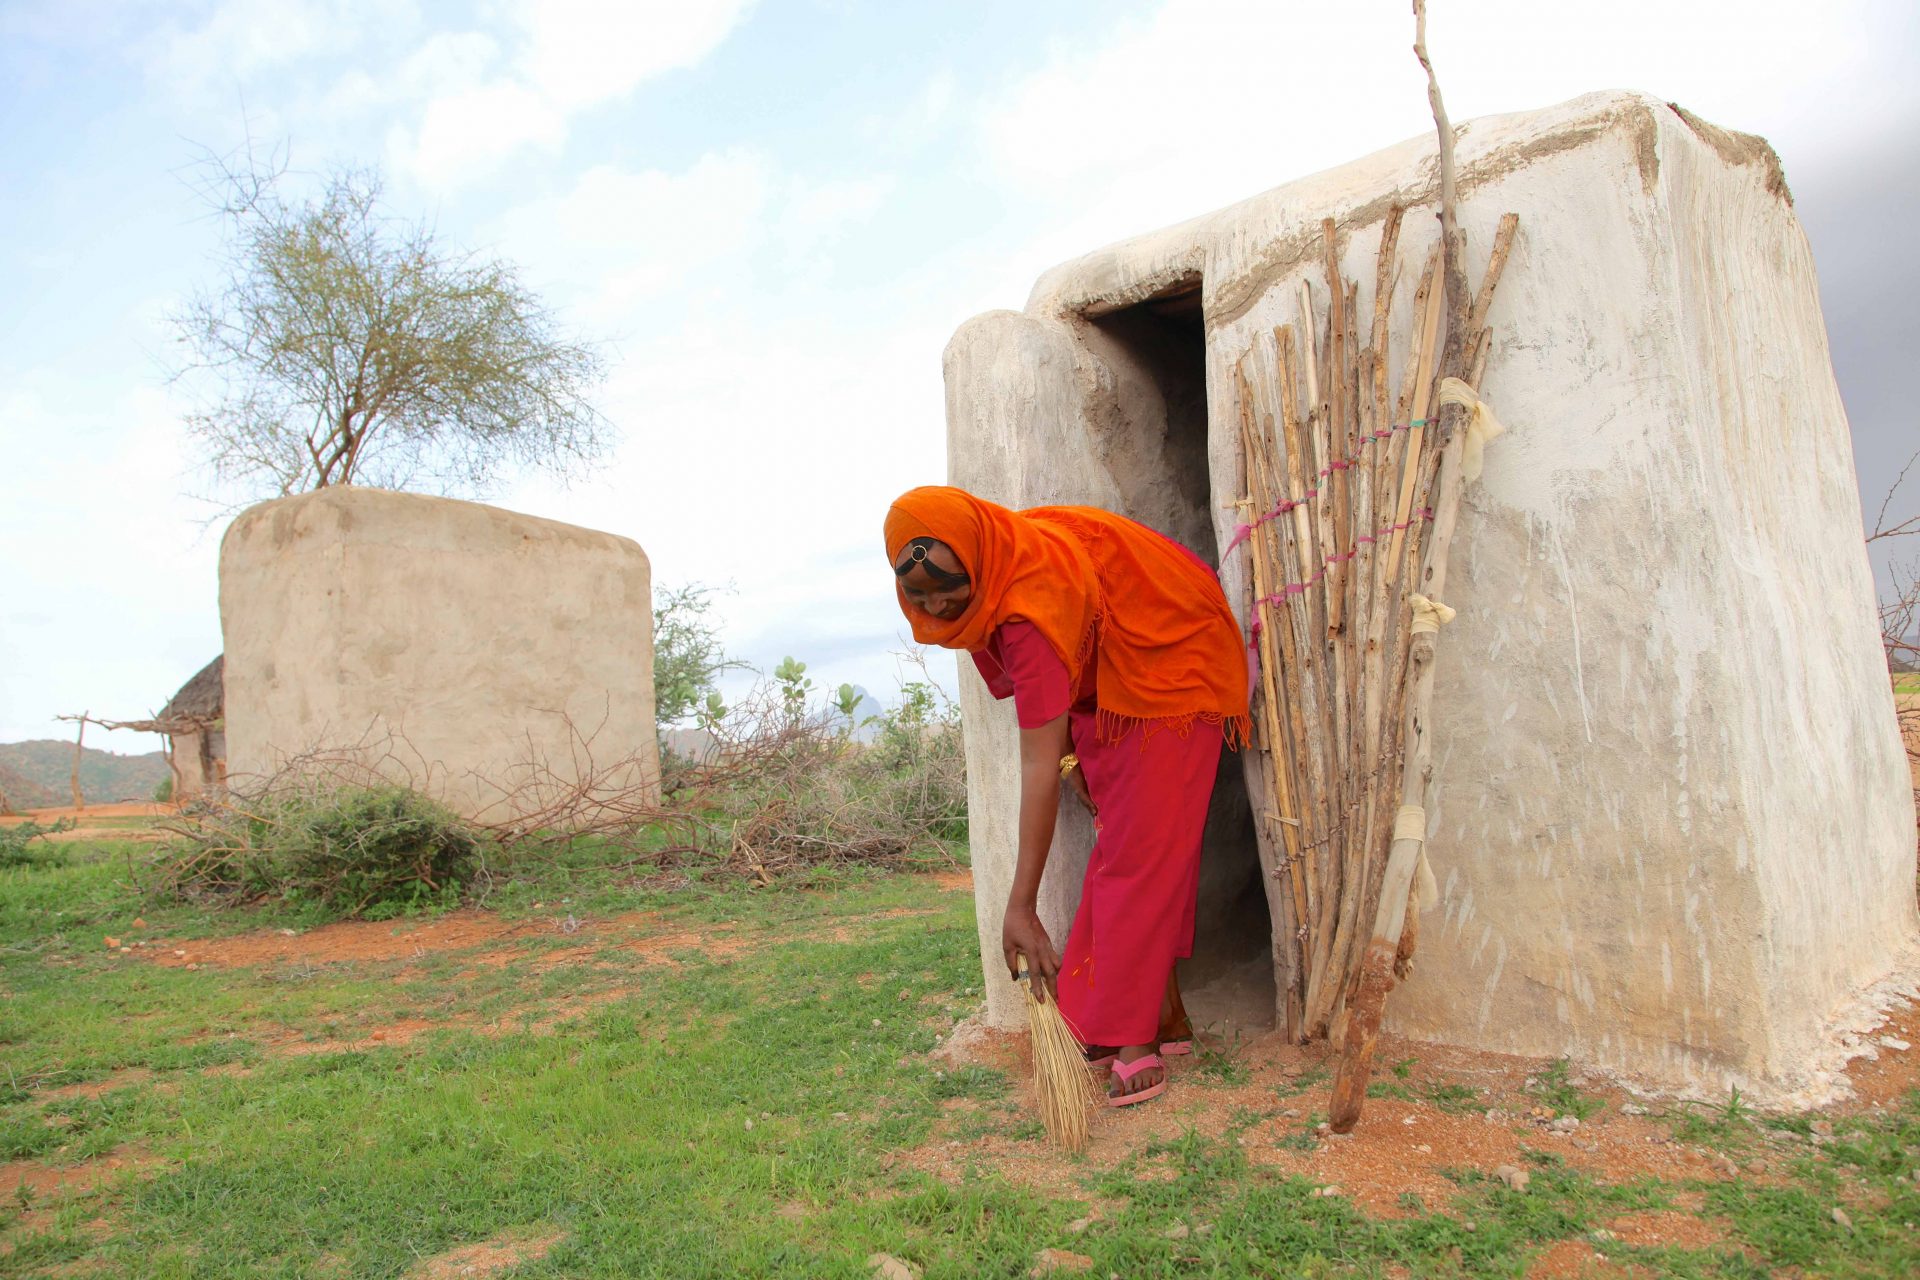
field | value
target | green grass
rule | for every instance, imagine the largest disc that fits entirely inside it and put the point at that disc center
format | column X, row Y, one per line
column 722, row 1115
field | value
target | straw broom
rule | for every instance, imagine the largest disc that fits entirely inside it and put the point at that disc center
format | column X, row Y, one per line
column 1064, row 1089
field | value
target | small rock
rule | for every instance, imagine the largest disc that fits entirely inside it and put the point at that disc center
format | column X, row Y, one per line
column 1291, row 1113
column 1565, row 1124
column 887, row 1267
column 1894, row 1043
column 1048, row 1261
column 1756, row 1165
column 1178, row 1231
column 876, row 1022
column 139, row 922
column 1079, row 1225
column 1824, row 1128
column 180, row 955
column 1632, row 1109
column 113, row 944
column 377, row 1035
column 289, row 933
column 749, row 1124
column 1515, row 1178
column 1335, row 1190
column 1602, row 1235
column 766, row 1115
column 1840, row 1216
column 1469, row 1225
column 1409, row 1119
column 1424, row 1149
column 192, row 967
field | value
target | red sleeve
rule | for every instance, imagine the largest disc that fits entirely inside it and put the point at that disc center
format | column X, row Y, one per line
column 1041, row 689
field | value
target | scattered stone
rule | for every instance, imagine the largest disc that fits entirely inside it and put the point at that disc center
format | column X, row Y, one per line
column 1291, row 1113
column 1469, row 1225
column 1424, row 1149
column 139, row 922
column 289, row 933
column 1330, row 1191
column 887, row 1267
column 876, row 1022
column 1894, row 1043
column 749, row 1123
column 1178, row 1231
column 1600, row 1235
column 766, row 1115
column 1632, row 1109
column 1565, row 1124
column 113, row 944
column 180, row 955
column 1584, row 1145
column 1049, row 1261
column 192, row 967
column 1079, row 1225
column 1823, row 1128
column 1840, row 1216
column 1409, row 1119
column 1515, row 1178
column 1756, row 1165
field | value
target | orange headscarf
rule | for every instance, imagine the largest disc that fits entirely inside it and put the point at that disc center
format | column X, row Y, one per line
column 1165, row 645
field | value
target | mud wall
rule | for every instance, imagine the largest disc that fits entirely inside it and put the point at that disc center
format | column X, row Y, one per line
column 467, row 650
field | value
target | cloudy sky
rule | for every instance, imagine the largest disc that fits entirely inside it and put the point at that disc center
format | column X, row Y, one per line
column 774, row 214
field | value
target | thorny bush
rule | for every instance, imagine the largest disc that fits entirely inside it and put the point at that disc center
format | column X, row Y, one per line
column 376, row 850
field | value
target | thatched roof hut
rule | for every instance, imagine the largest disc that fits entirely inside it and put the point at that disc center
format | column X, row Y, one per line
column 200, row 701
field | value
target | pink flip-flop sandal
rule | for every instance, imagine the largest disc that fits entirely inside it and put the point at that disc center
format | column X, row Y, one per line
column 1126, row 1071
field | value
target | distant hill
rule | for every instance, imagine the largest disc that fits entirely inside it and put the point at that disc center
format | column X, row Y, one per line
column 105, row 776
column 24, row 793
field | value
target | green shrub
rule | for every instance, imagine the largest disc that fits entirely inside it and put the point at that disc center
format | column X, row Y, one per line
column 370, row 850
column 163, row 790
column 21, row 844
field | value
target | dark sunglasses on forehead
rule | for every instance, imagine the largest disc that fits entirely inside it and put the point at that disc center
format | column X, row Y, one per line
column 917, row 555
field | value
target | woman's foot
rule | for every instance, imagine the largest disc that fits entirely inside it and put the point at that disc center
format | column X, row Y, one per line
column 1176, row 1031
column 1138, row 1074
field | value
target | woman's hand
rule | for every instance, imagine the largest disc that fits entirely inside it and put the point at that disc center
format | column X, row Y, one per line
column 1077, row 782
column 1022, row 934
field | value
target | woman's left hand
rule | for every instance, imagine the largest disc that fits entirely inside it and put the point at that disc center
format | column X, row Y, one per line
column 1077, row 781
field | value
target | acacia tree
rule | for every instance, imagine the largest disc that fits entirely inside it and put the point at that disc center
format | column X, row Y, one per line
column 346, row 346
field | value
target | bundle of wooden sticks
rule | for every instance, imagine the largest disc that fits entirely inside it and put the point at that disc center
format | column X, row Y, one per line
column 1351, row 496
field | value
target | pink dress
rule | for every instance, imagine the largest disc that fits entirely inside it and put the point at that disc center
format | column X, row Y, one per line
column 1152, row 788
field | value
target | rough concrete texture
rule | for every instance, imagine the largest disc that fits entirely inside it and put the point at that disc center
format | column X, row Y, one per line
column 1671, row 819
column 465, row 649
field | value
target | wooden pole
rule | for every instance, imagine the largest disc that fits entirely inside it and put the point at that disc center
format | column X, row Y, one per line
column 79, row 745
column 1376, row 969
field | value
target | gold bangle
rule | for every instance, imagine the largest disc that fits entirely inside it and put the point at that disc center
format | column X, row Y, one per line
column 1068, row 763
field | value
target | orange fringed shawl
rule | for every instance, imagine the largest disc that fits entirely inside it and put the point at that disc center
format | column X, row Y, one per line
column 1151, row 615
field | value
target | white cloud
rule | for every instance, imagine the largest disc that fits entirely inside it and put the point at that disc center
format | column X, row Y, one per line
column 582, row 52
column 619, row 239
column 240, row 39
column 728, row 228
column 565, row 56
column 1209, row 101
column 470, row 132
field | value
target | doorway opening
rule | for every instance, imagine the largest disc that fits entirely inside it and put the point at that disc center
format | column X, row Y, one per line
column 1152, row 438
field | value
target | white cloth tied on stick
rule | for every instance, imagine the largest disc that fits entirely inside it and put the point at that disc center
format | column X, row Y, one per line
column 1482, row 426
column 1411, row 824
column 1428, row 615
